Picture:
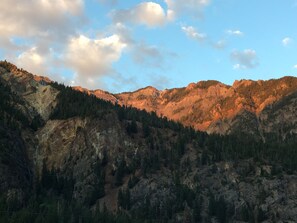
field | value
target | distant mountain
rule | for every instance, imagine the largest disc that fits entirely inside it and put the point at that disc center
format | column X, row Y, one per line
column 68, row 156
column 214, row 107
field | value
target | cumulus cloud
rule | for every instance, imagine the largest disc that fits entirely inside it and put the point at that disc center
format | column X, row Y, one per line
column 235, row 32
column 33, row 32
column 201, row 37
column 146, row 13
column 32, row 60
column 42, row 36
column 92, row 59
column 192, row 33
column 287, row 41
column 141, row 52
column 246, row 59
column 295, row 66
column 182, row 7
column 33, row 18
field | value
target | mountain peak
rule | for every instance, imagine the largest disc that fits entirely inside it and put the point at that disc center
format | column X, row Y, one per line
column 200, row 104
column 243, row 82
column 146, row 90
column 208, row 83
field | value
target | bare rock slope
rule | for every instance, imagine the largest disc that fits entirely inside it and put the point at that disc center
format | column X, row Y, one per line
column 215, row 107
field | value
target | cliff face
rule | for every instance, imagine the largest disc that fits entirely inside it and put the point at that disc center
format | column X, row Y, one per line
column 212, row 106
column 35, row 91
column 177, row 173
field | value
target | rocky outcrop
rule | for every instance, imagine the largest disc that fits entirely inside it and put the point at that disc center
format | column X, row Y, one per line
column 212, row 106
column 89, row 151
column 35, row 90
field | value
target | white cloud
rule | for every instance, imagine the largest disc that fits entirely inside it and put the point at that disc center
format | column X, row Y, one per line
column 146, row 13
column 33, row 32
column 32, row 60
column 43, row 37
column 141, row 52
column 182, row 7
column 192, row 33
column 92, row 59
column 286, row 41
column 200, row 37
column 33, row 18
column 295, row 66
column 246, row 59
column 235, row 32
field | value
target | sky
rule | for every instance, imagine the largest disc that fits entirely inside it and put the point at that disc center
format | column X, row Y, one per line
column 123, row 45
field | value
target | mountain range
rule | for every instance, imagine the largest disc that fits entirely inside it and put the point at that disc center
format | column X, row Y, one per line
column 208, row 152
column 215, row 107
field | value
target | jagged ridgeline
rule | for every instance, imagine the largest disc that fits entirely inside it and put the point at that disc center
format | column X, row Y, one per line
column 76, row 158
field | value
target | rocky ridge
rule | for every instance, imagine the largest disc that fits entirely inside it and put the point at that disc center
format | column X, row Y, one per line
column 80, row 149
column 210, row 105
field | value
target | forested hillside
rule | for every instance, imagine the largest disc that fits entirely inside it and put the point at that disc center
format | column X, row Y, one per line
column 93, row 161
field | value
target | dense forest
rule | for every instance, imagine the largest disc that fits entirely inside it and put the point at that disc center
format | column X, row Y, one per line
column 233, row 147
column 49, row 199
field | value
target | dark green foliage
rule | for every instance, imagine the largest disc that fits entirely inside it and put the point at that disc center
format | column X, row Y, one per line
column 98, row 192
column 104, row 160
column 73, row 103
column 53, row 209
column 150, row 163
column 245, row 214
column 132, row 127
column 184, row 194
column 218, row 208
column 204, row 158
column 120, row 172
column 239, row 147
column 98, row 187
column 14, row 162
column 57, row 185
column 146, row 130
column 124, row 199
column 261, row 215
column 133, row 181
column 197, row 209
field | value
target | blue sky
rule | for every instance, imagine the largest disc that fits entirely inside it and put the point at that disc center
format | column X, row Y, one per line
column 125, row 45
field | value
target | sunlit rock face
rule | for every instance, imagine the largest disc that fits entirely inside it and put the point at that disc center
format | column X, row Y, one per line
column 212, row 106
